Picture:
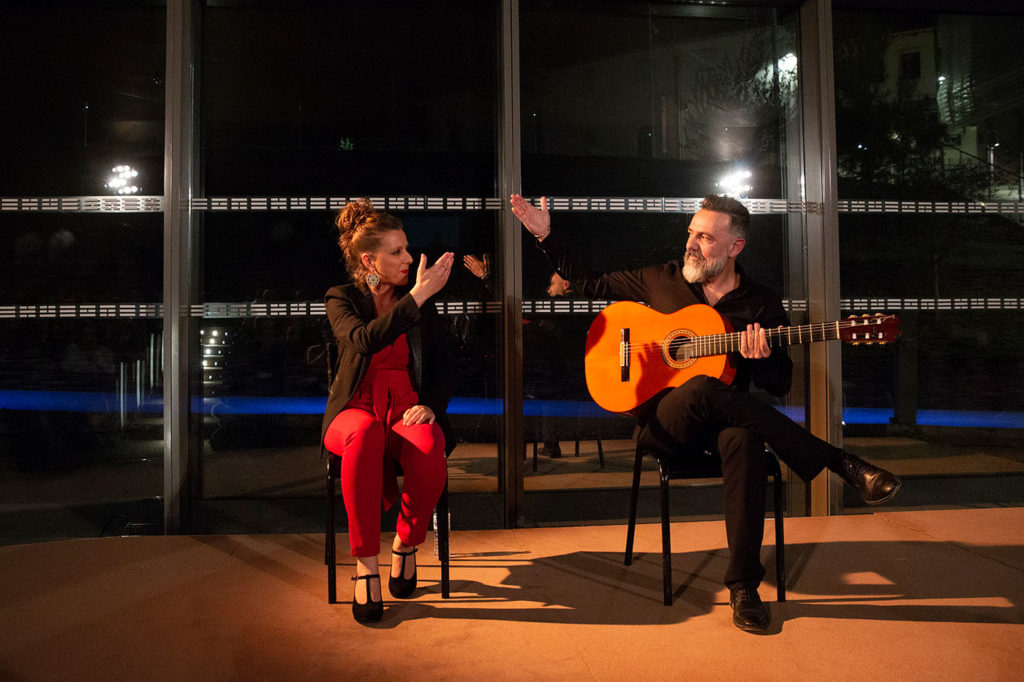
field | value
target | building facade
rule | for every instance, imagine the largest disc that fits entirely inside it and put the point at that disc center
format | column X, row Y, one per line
column 169, row 171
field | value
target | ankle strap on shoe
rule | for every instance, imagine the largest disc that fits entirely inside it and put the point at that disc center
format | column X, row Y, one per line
column 368, row 576
column 409, row 553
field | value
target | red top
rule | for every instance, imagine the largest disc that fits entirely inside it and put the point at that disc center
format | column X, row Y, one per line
column 386, row 392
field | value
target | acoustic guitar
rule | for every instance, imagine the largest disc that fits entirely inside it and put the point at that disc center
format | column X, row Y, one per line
column 633, row 352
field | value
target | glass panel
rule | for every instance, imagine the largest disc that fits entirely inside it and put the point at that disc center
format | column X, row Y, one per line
column 931, row 179
column 81, row 258
column 633, row 99
column 264, row 377
column 645, row 101
column 394, row 101
column 80, row 284
column 396, row 97
column 83, row 93
column 81, row 439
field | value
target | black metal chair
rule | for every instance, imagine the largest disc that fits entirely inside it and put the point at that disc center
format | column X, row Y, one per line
column 442, row 528
column 707, row 465
column 537, row 431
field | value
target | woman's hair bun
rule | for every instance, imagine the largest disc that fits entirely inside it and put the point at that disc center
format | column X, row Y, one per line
column 355, row 212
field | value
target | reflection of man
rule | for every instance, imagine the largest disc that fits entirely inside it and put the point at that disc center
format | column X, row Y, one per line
column 86, row 356
column 88, row 365
column 557, row 341
column 480, row 267
column 704, row 411
column 559, row 286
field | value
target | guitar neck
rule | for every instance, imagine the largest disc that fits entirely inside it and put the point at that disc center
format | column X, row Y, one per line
column 803, row 333
column 716, row 344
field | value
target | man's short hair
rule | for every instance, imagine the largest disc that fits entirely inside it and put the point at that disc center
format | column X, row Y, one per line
column 739, row 216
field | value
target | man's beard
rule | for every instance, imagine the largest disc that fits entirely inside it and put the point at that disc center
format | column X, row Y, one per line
column 699, row 270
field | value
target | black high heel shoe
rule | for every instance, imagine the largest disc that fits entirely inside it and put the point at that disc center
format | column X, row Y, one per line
column 400, row 586
column 370, row 611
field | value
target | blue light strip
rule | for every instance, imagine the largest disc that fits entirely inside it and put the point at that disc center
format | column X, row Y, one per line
column 95, row 401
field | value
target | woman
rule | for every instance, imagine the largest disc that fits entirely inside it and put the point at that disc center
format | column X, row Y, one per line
column 389, row 395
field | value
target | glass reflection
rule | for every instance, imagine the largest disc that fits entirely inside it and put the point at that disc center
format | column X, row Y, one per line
column 650, row 100
column 83, row 92
column 380, row 99
column 264, row 369
column 639, row 100
column 924, row 137
column 80, row 428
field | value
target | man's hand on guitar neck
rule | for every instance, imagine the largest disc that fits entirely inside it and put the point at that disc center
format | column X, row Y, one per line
column 754, row 343
column 537, row 221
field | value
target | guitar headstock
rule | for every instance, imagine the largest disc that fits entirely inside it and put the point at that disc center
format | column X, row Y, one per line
column 870, row 329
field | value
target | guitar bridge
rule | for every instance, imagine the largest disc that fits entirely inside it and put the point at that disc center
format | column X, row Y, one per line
column 624, row 354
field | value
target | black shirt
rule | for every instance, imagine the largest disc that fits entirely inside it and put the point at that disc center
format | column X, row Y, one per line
column 663, row 288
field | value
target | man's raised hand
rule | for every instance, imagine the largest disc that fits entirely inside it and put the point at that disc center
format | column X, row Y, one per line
column 537, row 221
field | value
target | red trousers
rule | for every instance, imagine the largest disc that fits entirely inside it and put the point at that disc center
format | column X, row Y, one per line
column 370, row 438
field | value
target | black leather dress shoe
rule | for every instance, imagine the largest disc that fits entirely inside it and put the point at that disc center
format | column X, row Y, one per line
column 748, row 611
column 552, row 449
column 874, row 484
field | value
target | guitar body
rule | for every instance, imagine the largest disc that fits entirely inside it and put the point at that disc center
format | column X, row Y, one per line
column 634, row 352
column 630, row 354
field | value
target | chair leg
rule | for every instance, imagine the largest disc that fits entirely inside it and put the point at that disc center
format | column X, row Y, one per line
column 600, row 453
column 634, row 495
column 330, row 541
column 780, row 542
column 330, row 517
column 666, row 540
column 443, row 542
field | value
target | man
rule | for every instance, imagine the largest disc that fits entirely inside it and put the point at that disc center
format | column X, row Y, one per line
column 559, row 287
column 704, row 411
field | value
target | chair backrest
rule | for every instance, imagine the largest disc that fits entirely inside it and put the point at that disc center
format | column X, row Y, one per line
column 330, row 350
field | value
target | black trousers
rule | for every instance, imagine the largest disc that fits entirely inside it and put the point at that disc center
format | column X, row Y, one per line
column 705, row 411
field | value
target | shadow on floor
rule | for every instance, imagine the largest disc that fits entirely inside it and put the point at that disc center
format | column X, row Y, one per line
column 893, row 581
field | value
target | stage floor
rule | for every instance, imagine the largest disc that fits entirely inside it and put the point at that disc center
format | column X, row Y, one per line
column 890, row 595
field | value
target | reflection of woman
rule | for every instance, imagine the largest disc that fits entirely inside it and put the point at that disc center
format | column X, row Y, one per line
column 388, row 399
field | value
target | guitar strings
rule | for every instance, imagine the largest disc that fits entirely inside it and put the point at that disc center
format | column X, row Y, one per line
column 717, row 344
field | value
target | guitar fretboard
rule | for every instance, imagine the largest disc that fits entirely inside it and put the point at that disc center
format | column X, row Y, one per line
column 719, row 344
column 716, row 344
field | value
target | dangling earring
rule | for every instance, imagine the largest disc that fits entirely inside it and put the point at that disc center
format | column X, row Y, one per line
column 373, row 279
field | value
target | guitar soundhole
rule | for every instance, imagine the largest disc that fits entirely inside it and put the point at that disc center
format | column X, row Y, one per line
column 677, row 350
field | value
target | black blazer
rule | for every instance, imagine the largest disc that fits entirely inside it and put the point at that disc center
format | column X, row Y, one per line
column 359, row 333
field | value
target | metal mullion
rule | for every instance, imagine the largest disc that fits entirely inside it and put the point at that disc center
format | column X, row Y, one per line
column 820, row 172
column 512, row 444
column 177, row 265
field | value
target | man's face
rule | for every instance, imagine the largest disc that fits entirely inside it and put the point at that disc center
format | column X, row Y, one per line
column 709, row 246
column 558, row 286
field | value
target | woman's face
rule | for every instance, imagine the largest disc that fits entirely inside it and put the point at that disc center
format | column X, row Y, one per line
column 392, row 259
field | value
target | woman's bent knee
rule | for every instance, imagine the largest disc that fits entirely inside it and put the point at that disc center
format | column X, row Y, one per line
column 351, row 429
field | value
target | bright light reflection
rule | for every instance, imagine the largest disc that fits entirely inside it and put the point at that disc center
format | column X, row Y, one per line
column 735, row 184
column 787, row 64
column 121, row 180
